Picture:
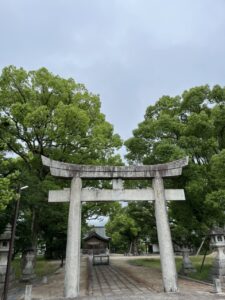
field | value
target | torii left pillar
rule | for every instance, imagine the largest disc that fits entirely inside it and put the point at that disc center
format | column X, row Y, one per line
column 72, row 267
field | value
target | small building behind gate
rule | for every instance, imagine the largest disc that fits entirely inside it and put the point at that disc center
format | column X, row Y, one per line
column 96, row 242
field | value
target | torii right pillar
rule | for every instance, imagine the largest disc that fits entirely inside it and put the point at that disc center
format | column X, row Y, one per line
column 169, row 273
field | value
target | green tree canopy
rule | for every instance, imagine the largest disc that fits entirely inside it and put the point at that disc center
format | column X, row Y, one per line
column 191, row 124
column 8, row 178
column 45, row 114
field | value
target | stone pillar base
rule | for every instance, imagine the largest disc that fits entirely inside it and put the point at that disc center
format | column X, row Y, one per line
column 28, row 265
column 218, row 270
column 11, row 278
column 27, row 278
column 221, row 278
column 186, row 270
column 187, row 266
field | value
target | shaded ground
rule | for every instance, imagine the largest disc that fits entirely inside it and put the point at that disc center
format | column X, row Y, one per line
column 119, row 280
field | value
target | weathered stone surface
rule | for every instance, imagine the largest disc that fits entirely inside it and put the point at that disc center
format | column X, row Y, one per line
column 218, row 243
column 72, row 268
column 217, row 286
column 45, row 280
column 2, row 276
column 4, row 250
column 115, row 195
column 28, row 292
column 169, row 273
column 117, row 184
column 218, row 268
column 28, row 265
column 187, row 266
column 61, row 169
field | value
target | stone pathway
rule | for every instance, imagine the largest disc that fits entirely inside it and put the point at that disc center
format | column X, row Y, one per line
column 109, row 281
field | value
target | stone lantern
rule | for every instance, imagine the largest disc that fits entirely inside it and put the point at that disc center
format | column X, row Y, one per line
column 218, row 243
column 4, row 249
column 28, row 264
column 187, row 266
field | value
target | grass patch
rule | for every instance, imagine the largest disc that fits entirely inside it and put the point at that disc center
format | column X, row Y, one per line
column 43, row 267
column 196, row 260
column 204, row 274
column 146, row 262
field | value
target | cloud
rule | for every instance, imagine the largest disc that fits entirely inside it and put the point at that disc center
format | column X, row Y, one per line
column 130, row 52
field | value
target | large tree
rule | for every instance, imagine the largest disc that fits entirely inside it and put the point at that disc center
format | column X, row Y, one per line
column 191, row 124
column 124, row 232
column 44, row 114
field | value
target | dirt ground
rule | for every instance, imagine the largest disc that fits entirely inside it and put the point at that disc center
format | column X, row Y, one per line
column 54, row 287
column 153, row 277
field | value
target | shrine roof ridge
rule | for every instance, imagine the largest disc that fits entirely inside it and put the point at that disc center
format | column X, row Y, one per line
column 62, row 169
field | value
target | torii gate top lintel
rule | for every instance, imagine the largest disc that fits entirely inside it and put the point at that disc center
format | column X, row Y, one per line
column 61, row 169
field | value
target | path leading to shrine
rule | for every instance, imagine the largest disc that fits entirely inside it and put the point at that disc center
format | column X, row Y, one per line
column 110, row 281
column 120, row 280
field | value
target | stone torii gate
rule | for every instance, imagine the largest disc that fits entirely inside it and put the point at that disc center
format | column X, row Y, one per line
column 75, row 195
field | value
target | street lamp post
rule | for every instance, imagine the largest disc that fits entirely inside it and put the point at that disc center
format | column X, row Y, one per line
column 6, row 283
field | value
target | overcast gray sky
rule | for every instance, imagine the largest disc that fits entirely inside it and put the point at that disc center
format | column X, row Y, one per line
column 130, row 52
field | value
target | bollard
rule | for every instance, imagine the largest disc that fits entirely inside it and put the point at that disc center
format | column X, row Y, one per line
column 217, row 286
column 45, row 280
column 28, row 292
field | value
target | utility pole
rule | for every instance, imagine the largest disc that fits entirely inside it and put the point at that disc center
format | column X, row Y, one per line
column 11, row 246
